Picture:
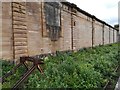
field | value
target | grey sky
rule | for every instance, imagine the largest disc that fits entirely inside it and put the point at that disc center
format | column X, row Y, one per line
column 106, row 10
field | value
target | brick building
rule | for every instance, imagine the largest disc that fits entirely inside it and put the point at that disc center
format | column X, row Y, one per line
column 33, row 28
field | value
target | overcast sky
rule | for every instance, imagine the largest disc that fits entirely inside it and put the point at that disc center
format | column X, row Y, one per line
column 106, row 10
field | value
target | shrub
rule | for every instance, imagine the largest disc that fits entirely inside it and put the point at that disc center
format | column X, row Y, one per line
column 87, row 68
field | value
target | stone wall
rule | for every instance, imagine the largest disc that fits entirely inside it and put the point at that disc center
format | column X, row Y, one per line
column 111, row 35
column 98, row 37
column 106, row 35
column 24, row 30
column 7, row 35
column 19, row 27
column 0, row 29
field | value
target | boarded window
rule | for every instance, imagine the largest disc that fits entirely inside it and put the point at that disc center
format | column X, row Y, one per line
column 52, row 17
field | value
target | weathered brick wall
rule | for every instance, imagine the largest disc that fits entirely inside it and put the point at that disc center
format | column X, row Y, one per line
column 0, row 29
column 111, row 35
column 98, row 37
column 7, row 45
column 82, row 39
column 66, row 29
column 115, row 36
column 76, row 32
column 38, row 41
column 25, row 24
column 87, row 37
column 19, row 29
column 106, row 35
column 33, row 12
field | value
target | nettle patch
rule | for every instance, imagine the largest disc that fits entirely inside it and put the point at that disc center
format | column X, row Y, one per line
column 87, row 68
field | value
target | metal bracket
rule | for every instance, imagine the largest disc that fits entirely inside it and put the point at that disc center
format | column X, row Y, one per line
column 36, row 64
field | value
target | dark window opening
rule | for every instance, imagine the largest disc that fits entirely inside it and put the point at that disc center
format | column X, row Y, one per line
column 52, row 17
column 74, row 23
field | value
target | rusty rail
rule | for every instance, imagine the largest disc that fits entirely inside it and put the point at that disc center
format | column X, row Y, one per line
column 10, row 72
column 36, row 64
column 105, row 87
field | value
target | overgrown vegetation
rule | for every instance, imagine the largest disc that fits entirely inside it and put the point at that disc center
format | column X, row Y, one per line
column 86, row 68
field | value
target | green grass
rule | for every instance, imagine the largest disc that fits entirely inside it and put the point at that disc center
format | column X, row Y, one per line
column 10, row 81
column 86, row 68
